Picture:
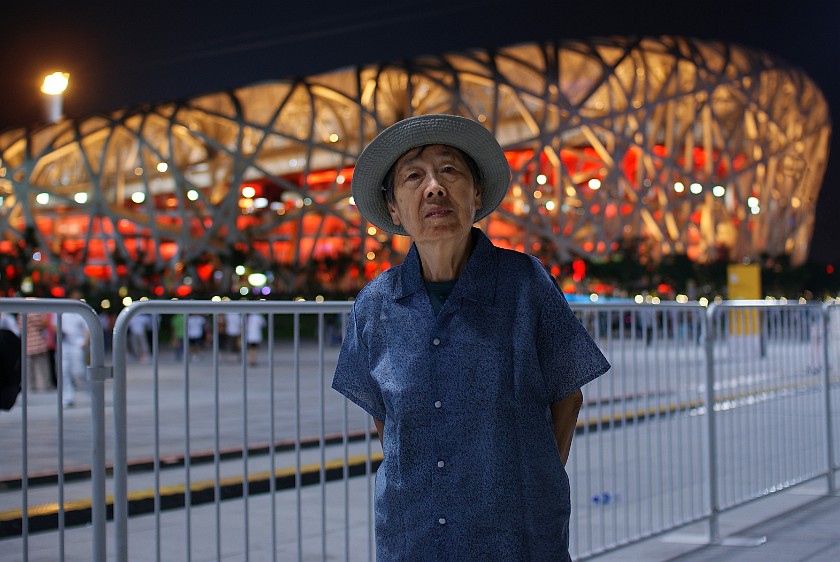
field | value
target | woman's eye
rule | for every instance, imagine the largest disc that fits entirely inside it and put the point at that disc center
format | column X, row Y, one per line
column 449, row 170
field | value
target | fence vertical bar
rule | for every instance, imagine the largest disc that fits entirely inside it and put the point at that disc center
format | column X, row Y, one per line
column 321, row 438
column 272, row 482
column 187, row 446
column 97, row 373
column 217, row 487
column 24, row 449
column 298, row 475
column 829, row 425
column 622, row 342
column 246, row 530
column 661, row 409
column 346, row 452
column 156, row 432
column 612, row 426
column 118, row 350
column 59, row 356
column 691, row 396
column 714, row 524
column 636, row 393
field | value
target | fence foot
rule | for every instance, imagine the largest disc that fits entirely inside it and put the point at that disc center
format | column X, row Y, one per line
column 703, row 539
column 741, row 541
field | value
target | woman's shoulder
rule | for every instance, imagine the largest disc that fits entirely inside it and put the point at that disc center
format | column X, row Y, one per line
column 520, row 267
column 381, row 287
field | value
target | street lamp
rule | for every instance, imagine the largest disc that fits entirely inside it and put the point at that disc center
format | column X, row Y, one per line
column 53, row 87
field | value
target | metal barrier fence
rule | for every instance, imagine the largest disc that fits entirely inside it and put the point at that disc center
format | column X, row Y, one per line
column 832, row 383
column 225, row 449
column 771, row 394
column 636, row 467
column 257, row 423
column 40, row 491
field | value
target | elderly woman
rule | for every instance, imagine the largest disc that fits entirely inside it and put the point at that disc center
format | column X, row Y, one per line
column 467, row 356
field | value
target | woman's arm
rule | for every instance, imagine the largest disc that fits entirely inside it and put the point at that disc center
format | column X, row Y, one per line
column 564, row 414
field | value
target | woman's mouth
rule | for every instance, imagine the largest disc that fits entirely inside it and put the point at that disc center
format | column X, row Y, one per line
column 437, row 213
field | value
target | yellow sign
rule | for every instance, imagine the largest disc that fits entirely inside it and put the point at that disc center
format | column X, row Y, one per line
column 744, row 283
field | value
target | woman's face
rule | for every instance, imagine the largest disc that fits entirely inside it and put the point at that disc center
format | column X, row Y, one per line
column 435, row 196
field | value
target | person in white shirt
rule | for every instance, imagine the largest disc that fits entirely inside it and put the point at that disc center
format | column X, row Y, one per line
column 137, row 327
column 196, row 334
column 232, row 332
column 75, row 337
column 254, row 336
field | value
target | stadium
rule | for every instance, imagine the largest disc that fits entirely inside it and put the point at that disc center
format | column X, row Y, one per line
column 675, row 146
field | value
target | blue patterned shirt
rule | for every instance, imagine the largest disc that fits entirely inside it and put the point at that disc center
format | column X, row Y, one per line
column 471, row 469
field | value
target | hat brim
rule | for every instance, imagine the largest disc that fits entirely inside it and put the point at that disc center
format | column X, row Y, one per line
column 452, row 130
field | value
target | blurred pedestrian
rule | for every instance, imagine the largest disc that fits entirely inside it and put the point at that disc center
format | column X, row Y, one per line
column 75, row 337
column 196, row 332
column 50, row 337
column 38, row 375
column 106, row 322
column 254, row 336
column 137, row 341
column 178, row 341
column 233, row 335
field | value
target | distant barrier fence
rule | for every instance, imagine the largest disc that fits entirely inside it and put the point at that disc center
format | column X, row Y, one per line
column 51, row 432
column 241, row 449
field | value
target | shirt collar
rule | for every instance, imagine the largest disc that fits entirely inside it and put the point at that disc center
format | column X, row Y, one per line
column 477, row 281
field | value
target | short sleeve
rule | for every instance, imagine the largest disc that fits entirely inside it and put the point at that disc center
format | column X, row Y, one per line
column 569, row 357
column 353, row 376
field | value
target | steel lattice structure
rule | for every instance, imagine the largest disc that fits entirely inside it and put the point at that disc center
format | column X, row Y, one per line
column 685, row 146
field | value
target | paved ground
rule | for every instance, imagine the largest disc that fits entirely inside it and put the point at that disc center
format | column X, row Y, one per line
column 800, row 524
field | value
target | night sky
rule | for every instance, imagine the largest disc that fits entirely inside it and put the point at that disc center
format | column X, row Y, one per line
column 123, row 54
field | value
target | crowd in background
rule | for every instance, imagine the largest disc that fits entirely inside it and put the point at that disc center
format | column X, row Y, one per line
column 187, row 335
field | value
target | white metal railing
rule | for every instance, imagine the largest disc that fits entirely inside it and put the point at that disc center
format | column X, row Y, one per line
column 635, row 468
column 42, row 420
column 831, row 382
column 264, row 461
column 771, row 401
column 284, row 407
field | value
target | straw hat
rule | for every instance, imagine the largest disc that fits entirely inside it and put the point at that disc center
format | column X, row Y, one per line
column 452, row 130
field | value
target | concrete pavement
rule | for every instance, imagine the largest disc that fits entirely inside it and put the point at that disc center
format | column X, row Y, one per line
column 799, row 524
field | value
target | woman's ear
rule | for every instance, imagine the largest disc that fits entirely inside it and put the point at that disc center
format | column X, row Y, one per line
column 395, row 215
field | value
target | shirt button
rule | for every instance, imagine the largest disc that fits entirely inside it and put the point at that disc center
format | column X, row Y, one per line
column 438, row 404
column 441, row 464
column 442, row 521
column 436, row 341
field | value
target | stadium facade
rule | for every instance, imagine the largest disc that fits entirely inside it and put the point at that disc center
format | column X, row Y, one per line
column 676, row 145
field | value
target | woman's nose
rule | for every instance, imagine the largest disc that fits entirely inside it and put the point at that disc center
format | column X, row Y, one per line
column 434, row 187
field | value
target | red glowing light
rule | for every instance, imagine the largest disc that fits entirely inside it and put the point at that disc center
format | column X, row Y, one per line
column 578, row 270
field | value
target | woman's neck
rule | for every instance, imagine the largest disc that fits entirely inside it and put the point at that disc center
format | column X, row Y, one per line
column 443, row 260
